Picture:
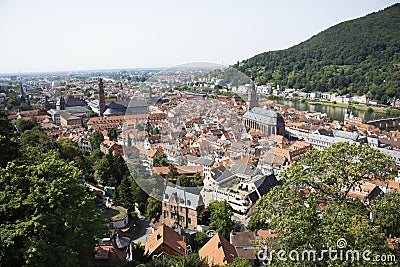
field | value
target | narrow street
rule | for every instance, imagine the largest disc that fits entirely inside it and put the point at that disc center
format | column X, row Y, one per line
column 144, row 232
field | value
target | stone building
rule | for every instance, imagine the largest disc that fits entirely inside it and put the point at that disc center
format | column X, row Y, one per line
column 181, row 207
column 267, row 121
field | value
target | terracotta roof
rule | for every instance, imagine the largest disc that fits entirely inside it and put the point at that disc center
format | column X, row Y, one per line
column 379, row 182
column 218, row 251
column 189, row 169
column 394, row 186
column 68, row 116
column 165, row 235
column 109, row 255
column 161, row 170
column 393, row 243
column 108, row 144
column 299, row 144
column 180, row 170
column 154, row 152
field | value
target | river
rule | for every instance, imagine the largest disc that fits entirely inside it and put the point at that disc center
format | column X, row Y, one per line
column 334, row 112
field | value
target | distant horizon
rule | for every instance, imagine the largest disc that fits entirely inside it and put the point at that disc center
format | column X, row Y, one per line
column 44, row 37
column 80, row 70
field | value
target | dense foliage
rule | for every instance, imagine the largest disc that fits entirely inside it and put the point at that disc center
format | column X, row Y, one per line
column 192, row 260
column 221, row 217
column 357, row 56
column 313, row 208
column 47, row 215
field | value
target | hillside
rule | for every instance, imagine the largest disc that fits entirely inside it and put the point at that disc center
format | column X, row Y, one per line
column 357, row 56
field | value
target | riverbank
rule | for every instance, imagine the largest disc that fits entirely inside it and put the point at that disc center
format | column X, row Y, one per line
column 350, row 106
column 360, row 107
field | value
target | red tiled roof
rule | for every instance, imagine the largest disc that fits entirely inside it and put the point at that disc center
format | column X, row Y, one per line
column 218, row 251
column 165, row 235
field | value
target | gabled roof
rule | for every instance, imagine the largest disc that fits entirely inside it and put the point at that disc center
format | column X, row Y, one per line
column 221, row 174
column 218, row 251
column 245, row 169
column 264, row 116
column 204, row 161
column 347, row 135
column 165, row 235
column 247, row 244
column 183, row 196
column 265, row 184
column 108, row 144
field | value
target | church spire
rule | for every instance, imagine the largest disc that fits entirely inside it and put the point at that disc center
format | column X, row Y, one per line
column 102, row 103
column 21, row 90
column 252, row 100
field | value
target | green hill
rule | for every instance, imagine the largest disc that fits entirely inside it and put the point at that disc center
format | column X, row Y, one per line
column 357, row 56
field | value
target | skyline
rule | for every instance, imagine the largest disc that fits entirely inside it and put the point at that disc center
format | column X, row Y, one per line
column 43, row 36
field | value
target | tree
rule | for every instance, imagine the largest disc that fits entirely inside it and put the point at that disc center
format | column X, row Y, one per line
column 198, row 179
column 221, row 217
column 92, row 114
column 139, row 127
column 352, row 128
column 140, row 197
column 96, row 138
column 124, row 194
column 47, row 217
column 103, row 170
column 312, row 210
column 70, row 151
column 186, row 181
column 8, row 147
column 153, row 209
column 23, row 125
column 35, row 143
column 199, row 240
column 110, row 169
column 192, row 260
column 387, row 211
column 340, row 59
column 160, row 161
column 173, row 172
column 239, row 262
column 112, row 134
column 153, row 131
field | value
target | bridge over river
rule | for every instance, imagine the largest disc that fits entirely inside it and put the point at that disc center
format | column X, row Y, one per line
column 385, row 123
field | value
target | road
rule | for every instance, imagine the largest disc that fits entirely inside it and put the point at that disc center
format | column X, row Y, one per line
column 144, row 232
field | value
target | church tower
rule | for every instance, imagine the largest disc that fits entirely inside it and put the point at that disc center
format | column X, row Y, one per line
column 102, row 103
column 61, row 104
column 21, row 90
column 252, row 100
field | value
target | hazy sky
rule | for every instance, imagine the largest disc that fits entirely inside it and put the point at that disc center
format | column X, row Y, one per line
column 46, row 35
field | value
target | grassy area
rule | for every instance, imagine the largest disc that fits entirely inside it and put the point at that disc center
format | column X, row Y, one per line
column 116, row 213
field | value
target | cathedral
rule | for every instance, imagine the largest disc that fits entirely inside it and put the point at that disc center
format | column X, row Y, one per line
column 267, row 121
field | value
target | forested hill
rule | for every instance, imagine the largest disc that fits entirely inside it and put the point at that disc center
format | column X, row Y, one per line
column 357, row 56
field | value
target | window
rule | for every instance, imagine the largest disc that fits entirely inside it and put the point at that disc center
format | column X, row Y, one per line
column 181, row 219
column 189, row 221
